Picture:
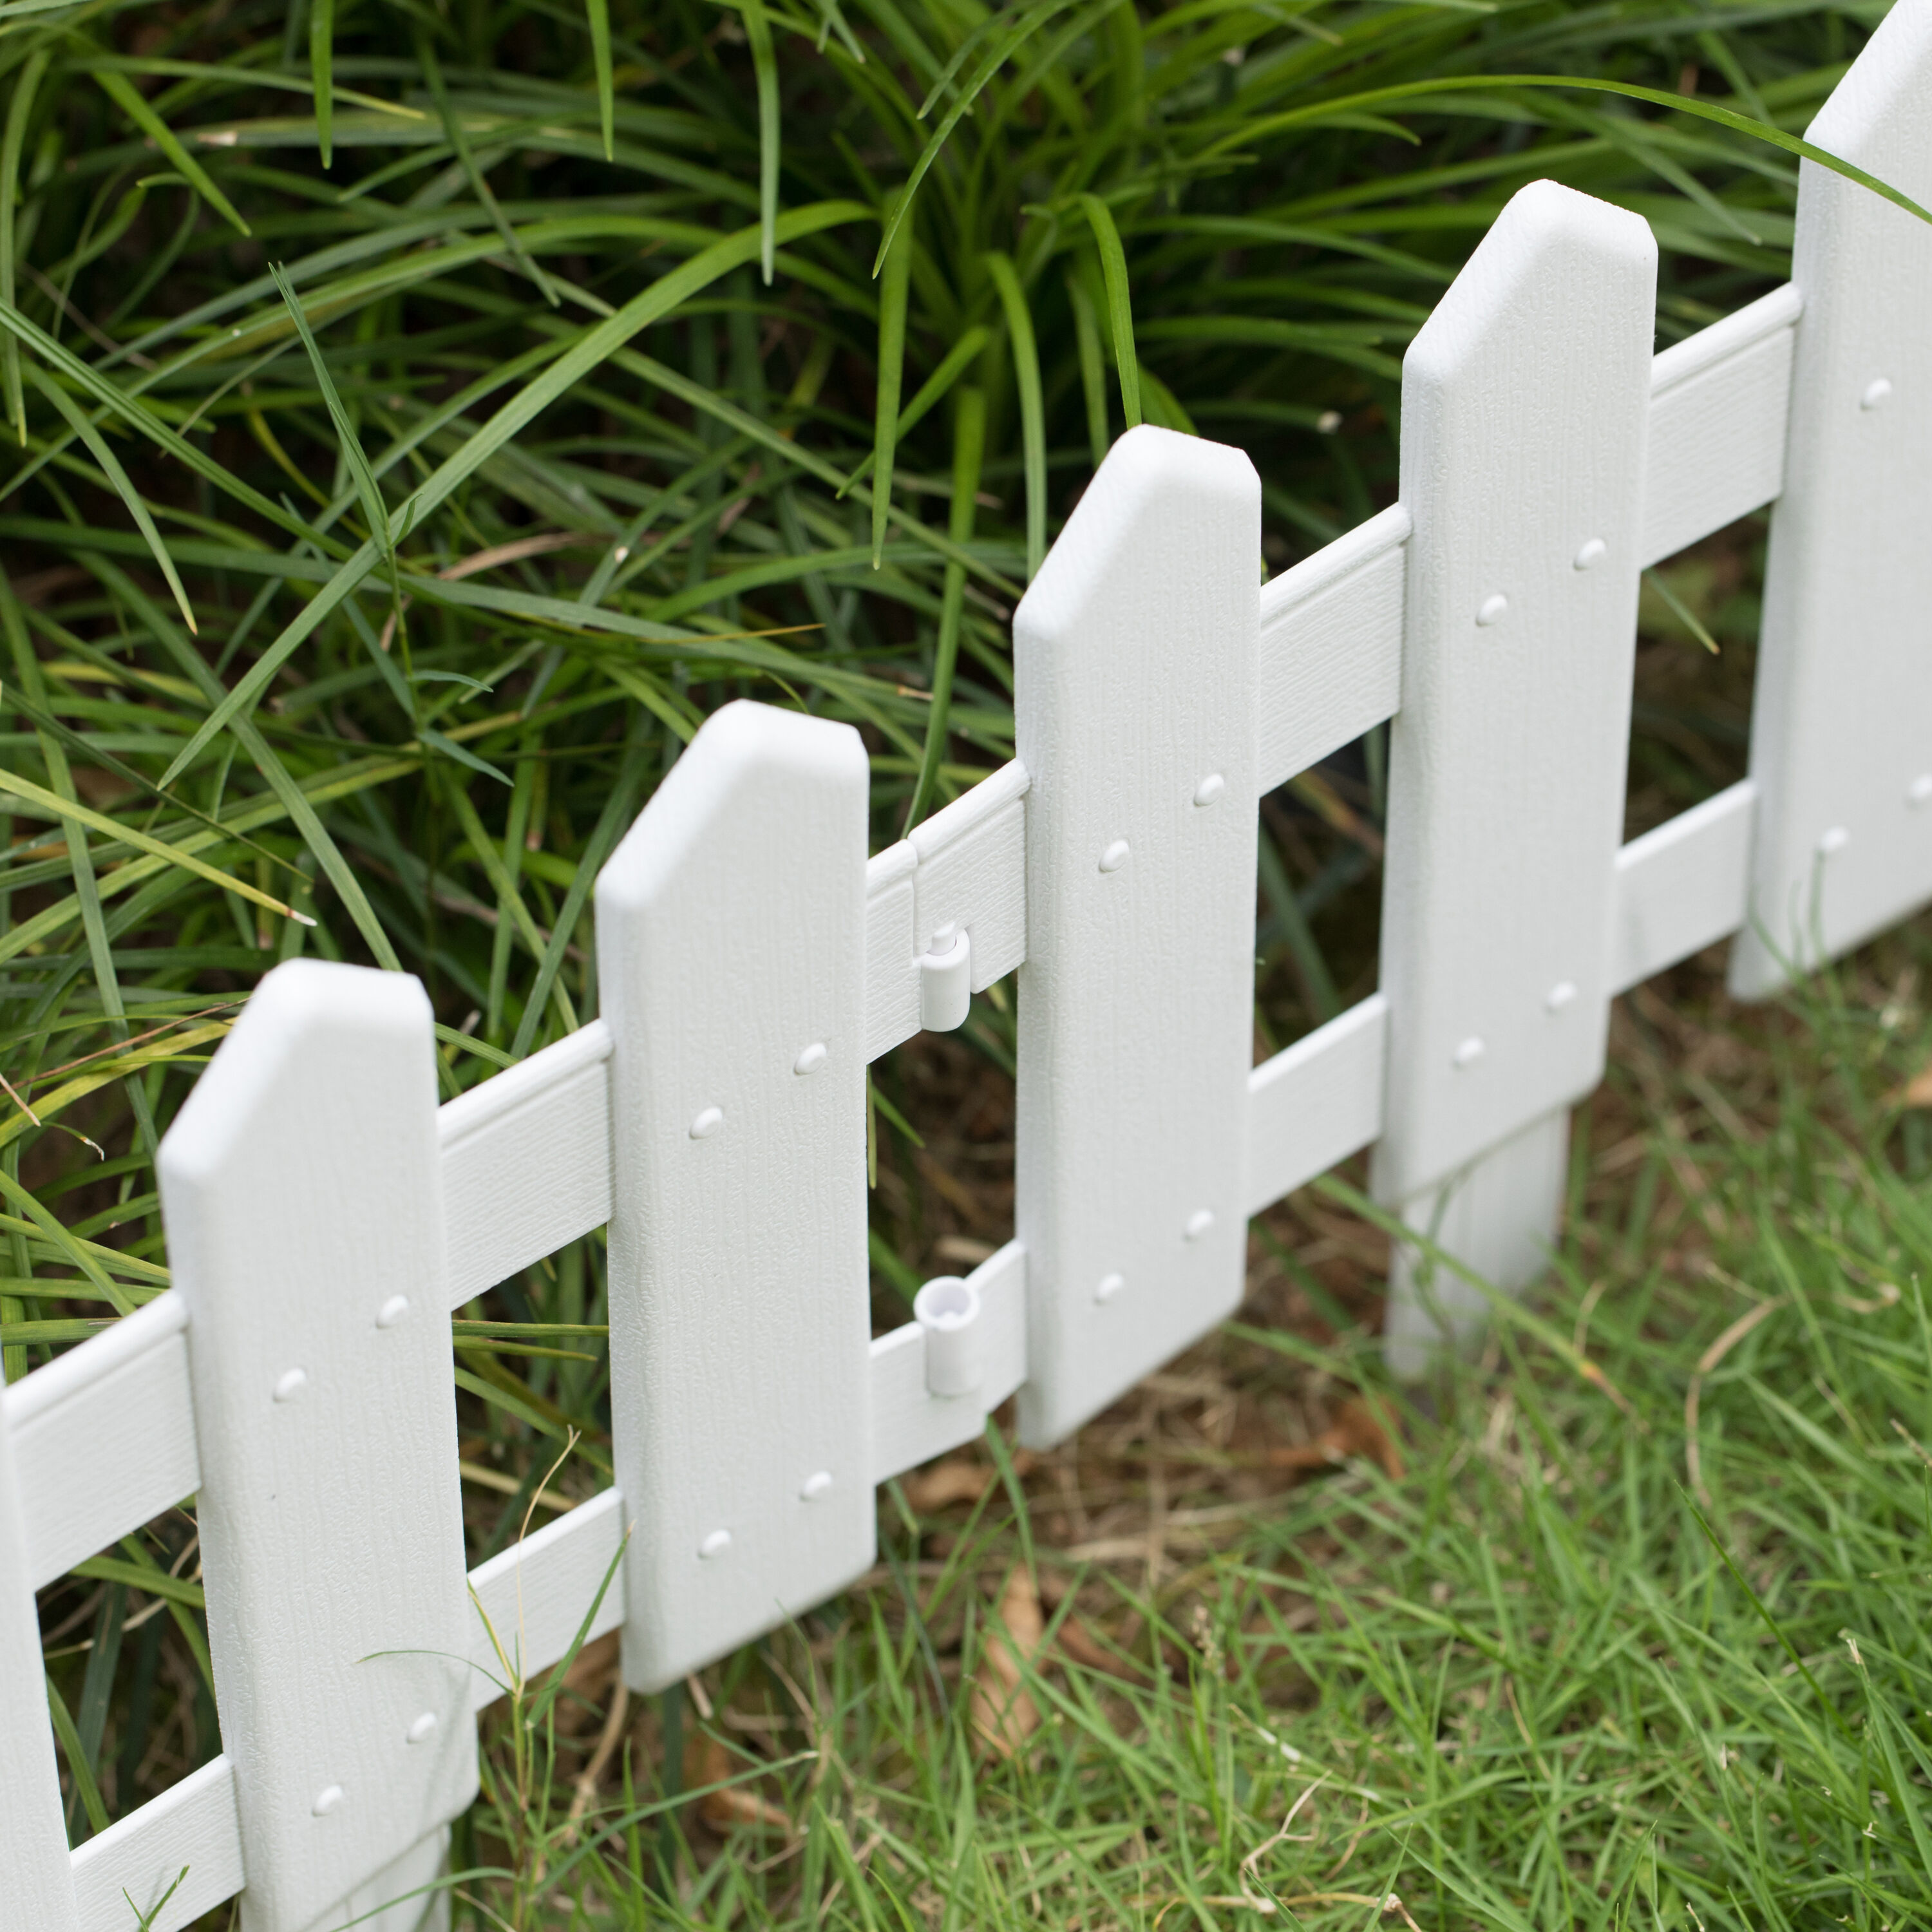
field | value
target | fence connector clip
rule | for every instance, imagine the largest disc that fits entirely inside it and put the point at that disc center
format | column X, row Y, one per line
column 947, row 1310
column 946, row 980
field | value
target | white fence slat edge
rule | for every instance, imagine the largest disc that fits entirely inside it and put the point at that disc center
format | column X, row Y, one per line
column 1841, row 724
column 193, row 1823
column 1317, row 1102
column 107, row 1440
column 535, row 1594
column 1330, row 665
column 526, row 1162
column 1718, row 405
column 1681, row 887
column 33, row 1829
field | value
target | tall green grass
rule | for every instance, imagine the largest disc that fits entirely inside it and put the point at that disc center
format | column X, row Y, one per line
column 419, row 417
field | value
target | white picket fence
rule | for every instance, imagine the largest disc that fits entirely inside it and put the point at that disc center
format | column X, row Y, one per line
column 324, row 1214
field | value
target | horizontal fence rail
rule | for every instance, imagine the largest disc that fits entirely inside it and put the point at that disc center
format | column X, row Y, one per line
column 296, row 1381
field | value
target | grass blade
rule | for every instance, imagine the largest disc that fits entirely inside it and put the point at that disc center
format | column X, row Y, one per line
column 1092, row 371
column 75, row 813
column 110, row 467
column 122, row 92
column 932, row 392
column 892, row 363
column 20, row 108
column 598, row 13
column 969, row 447
column 322, row 72
column 765, row 71
column 1032, row 409
column 1120, row 309
column 1678, row 103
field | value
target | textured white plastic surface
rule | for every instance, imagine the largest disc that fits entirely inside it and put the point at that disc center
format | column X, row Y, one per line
column 964, row 867
column 1498, row 1217
column 910, row 1425
column 1134, row 655
column 1719, row 403
column 1316, row 1103
column 536, row 1593
column 193, row 1823
column 1331, row 647
column 1681, row 887
column 103, row 1437
column 1841, row 729
column 300, row 1184
column 946, row 981
column 731, row 932
column 1525, row 406
column 34, row 1861
column 526, row 1161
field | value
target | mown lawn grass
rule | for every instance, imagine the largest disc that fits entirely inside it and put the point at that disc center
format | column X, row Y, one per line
column 393, row 614
column 1629, row 1632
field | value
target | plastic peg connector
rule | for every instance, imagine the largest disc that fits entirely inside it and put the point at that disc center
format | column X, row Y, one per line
column 947, row 1310
column 946, row 981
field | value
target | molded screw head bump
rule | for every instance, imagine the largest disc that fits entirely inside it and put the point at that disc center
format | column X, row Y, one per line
column 392, row 1311
column 289, row 1385
column 816, row 1484
column 1199, row 1221
column 812, row 1059
column 1209, row 788
column 1493, row 609
column 1110, row 1285
column 1835, row 840
column 1560, row 995
column 708, row 1122
column 1471, row 1050
column 716, row 1544
column 421, row 1727
column 1920, row 789
column 1876, row 391
column 1115, row 857
column 1594, row 551
column 326, row 1800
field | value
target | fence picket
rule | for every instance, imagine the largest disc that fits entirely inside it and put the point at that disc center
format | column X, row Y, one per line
column 1525, row 410
column 1135, row 656
column 300, row 1182
column 730, row 945
column 1841, row 725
